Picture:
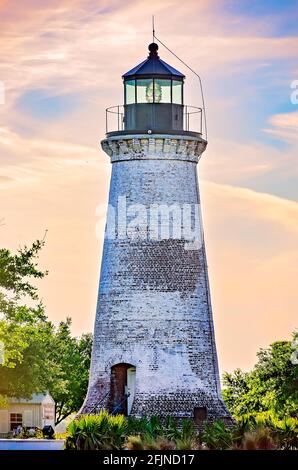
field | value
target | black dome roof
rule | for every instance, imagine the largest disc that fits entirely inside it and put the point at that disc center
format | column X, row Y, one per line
column 153, row 66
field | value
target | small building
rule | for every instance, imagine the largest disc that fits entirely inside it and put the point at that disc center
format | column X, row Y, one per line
column 33, row 413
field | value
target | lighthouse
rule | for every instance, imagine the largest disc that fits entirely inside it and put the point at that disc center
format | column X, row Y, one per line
column 154, row 350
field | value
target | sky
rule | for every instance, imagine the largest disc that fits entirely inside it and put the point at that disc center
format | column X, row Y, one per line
column 61, row 66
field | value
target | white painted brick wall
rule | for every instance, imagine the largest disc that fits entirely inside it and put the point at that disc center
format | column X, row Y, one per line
column 154, row 308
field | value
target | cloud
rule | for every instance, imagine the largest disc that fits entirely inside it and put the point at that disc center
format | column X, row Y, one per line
column 72, row 45
column 288, row 121
column 252, row 256
column 41, row 159
column 40, row 105
column 284, row 126
column 266, row 207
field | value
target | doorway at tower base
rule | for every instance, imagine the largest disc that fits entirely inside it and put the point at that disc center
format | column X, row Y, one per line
column 122, row 388
column 196, row 406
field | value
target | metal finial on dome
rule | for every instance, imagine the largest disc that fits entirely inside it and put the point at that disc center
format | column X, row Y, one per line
column 153, row 48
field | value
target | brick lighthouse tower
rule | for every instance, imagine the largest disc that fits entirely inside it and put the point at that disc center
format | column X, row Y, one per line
column 154, row 349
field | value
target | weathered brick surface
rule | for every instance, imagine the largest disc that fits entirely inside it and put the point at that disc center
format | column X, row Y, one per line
column 154, row 308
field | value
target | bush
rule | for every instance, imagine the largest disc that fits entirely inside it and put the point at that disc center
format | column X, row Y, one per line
column 217, row 436
column 96, row 432
column 134, row 443
column 103, row 431
column 28, row 433
column 250, row 432
column 286, row 432
column 259, row 439
column 283, row 432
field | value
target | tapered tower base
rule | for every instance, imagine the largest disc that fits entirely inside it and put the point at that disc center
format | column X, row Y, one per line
column 154, row 349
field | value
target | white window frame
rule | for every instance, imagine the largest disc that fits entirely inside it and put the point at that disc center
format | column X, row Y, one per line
column 17, row 422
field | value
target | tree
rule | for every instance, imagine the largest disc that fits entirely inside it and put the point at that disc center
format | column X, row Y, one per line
column 272, row 385
column 72, row 355
column 24, row 331
column 16, row 269
column 38, row 356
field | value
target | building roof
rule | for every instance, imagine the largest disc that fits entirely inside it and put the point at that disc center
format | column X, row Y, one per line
column 153, row 66
column 36, row 399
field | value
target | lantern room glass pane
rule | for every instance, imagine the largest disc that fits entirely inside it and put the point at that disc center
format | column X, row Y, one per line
column 177, row 92
column 130, row 95
column 162, row 91
column 145, row 90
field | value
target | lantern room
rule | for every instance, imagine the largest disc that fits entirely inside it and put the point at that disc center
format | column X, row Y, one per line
column 153, row 95
column 153, row 101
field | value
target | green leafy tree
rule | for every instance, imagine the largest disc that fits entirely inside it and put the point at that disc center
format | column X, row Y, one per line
column 16, row 271
column 37, row 355
column 70, row 383
column 24, row 330
column 272, row 385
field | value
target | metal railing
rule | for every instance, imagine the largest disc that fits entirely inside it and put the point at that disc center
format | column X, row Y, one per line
column 115, row 118
column 119, row 405
column 98, row 405
column 192, row 119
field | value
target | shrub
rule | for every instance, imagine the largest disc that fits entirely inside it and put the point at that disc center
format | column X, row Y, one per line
column 187, row 443
column 96, row 432
column 147, row 442
column 250, row 432
column 217, row 435
column 286, row 432
column 134, row 443
column 260, row 439
column 29, row 433
column 144, row 426
column 283, row 432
